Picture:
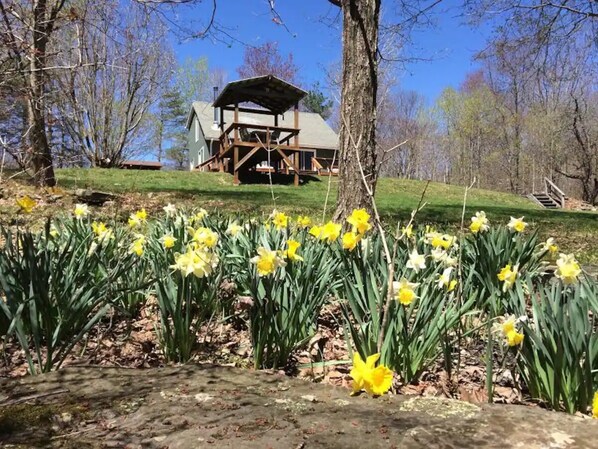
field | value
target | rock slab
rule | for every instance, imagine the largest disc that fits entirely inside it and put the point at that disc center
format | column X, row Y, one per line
column 219, row 407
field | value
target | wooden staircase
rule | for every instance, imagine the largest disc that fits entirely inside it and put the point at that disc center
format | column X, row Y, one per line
column 551, row 198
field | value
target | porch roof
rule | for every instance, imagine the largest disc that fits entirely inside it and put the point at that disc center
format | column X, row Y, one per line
column 267, row 91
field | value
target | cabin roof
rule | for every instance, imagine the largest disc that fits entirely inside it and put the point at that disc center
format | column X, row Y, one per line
column 315, row 132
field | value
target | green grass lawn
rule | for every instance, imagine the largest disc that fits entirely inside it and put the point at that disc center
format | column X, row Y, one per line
column 396, row 198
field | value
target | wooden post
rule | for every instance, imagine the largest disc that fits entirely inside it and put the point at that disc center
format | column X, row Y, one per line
column 235, row 170
column 296, row 144
column 236, row 120
column 221, row 146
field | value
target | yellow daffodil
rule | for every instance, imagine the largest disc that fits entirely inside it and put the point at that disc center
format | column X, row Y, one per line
column 517, row 224
column 595, row 406
column 366, row 376
column 514, row 338
column 81, row 211
column 315, row 231
column 416, row 261
column 379, row 381
column 550, row 247
column 404, row 291
column 303, row 221
column 479, row 223
column 359, row 220
column 26, row 203
column 330, row 232
column 508, row 329
column 360, row 368
column 101, row 231
column 168, row 241
column 137, row 247
column 444, row 280
column 203, row 237
column 568, row 269
column 233, row 229
column 407, row 231
column 137, row 219
column 200, row 215
column 267, row 261
column 54, row 231
column 438, row 240
column 508, row 276
column 200, row 262
column 350, row 240
column 291, row 251
column 280, row 220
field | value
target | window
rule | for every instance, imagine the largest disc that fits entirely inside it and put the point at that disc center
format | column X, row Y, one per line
column 196, row 129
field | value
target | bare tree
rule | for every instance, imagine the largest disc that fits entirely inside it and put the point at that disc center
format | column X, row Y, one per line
column 122, row 64
column 266, row 59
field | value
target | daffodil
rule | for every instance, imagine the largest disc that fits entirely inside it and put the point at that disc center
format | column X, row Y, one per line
column 517, row 224
column 438, row 240
column 199, row 262
column 407, row 231
column 167, row 241
column 81, row 211
column 199, row 216
column 330, row 232
column 101, row 231
column 54, row 231
column 416, row 261
column 508, row 276
column 169, row 210
column 550, row 246
column 507, row 327
column 595, row 406
column 291, row 251
column 359, row 220
column 366, row 376
column 233, row 229
column 444, row 280
column 137, row 219
column 267, row 261
column 137, row 247
column 378, row 381
column 479, row 223
column 568, row 269
column 315, row 231
column 350, row 240
column 280, row 220
column 26, row 203
column 203, row 237
column 303, row 221
column 404, row 291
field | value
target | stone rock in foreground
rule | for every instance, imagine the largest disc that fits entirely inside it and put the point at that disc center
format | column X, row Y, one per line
column 217, row 407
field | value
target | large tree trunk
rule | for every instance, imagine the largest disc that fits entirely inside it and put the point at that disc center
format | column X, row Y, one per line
column 41, row 158
column 358, row 105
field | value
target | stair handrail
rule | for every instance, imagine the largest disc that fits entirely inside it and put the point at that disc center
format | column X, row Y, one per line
column 553, row 191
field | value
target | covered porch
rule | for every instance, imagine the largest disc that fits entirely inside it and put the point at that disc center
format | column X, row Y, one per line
column 245, row 146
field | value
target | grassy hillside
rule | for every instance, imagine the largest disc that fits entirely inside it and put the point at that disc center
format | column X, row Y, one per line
column 395, row 197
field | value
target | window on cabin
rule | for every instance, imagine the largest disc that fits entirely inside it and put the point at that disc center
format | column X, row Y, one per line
column 196, row 130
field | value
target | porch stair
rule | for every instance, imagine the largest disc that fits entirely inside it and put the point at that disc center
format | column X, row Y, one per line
column 544, row 200
column 551, row 198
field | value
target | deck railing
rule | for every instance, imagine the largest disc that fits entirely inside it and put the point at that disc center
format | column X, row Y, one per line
column 247, row 134
column 554, row 192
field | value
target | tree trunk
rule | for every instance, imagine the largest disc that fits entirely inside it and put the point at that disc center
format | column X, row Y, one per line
column 358, row 105
column 41, row 158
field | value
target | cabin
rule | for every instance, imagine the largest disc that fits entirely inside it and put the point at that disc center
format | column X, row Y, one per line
column 255, row 125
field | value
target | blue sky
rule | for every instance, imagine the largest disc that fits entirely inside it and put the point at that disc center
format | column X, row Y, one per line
column 449, row 45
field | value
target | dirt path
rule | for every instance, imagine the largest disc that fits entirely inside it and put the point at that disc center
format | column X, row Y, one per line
column 218, row 407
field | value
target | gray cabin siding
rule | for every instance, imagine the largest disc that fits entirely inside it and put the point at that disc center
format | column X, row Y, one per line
column 196, row 143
